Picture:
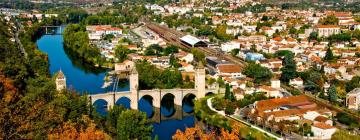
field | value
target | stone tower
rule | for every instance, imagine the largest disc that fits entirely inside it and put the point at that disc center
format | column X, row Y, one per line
column 60, row 81
column 134, row 87
column 200, row 80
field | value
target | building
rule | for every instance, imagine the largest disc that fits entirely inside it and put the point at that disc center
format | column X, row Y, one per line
column 229, row 70
column 97, row 31
column 192, row 41
column 353, row 99
column 60, row 81
column 270, row 91
column 229, row 46
column 297, row 82
column 322, row 130
column 327, row 30
column 127, row 65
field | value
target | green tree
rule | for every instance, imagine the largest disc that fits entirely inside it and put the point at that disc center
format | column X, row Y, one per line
column 288, row 71
column 259, row 73
column 121, row 53
column 171, row 49
column 153, row 49
column 292, row 30
column 229, row 109
column 329, row 56
column 313, row 36
column 221, row 33
column 227, row 92
column 235, row 52
column 132, row 124
column 352, row 84
column 332, row 93
column 282, row 53
column 329, row 20
column 173, row 62
column 199, row 56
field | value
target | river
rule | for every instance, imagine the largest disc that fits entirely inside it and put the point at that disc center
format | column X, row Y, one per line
column 85, row 78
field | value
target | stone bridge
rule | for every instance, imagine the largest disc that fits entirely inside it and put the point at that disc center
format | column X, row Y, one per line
column 156, row 95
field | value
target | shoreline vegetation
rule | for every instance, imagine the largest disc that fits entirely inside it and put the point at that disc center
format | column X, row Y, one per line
column 32, row 108
column 76, row 41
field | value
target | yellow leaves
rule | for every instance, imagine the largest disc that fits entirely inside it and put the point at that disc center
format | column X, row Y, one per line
column 197, row 133
column 70, row 131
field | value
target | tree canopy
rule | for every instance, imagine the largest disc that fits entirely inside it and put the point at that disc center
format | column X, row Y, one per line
column 132, row 124
column 259, row 73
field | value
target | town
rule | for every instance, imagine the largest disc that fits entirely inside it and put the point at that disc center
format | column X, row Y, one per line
column 245, row 69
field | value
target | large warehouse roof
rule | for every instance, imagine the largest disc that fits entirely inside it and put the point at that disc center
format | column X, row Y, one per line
column 190, row 39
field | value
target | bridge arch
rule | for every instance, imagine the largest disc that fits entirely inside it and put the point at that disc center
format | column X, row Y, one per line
column 145, row 104
column 101, row 106
column 168, row 105
column 188, row 102
column 209, row 93
column 124, row 101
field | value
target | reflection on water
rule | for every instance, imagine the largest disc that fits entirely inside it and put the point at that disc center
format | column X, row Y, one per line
column 85, row 78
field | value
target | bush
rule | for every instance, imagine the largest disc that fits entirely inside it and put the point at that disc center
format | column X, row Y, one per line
column 346, row 119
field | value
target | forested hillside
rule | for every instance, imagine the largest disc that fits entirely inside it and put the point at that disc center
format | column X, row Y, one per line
column 30, row 107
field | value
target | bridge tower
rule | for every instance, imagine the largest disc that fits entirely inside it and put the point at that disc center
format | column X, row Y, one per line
column 200, row 80
column 60, row 81
column 134, row 88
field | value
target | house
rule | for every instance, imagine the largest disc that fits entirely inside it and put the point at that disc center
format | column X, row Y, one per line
column 297, row 82
column 275, row 83
column 228, row 46
column 270, row 91
column 162, row 62
column 322, row 130
column 187, row 58
column 229, row 70
column 333, row 68
column 353, row 99
column 186, row 67
column 287, row 108
column 316, row 117
column 97, row 31
column 127, row 65
column 327, row 30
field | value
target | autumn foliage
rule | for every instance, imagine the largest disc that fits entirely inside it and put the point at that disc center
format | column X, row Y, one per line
column 197, row 133
column 69, row 131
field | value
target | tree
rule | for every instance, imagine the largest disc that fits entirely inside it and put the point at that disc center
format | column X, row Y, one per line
column 198, row 55
column 329, row 20
column 221, row 33
column 313, row 36
column 289, row 70
column 132, row 124
column 292, row 30
column 228, row 94
column 332, row 93
column 229, row 109
column 283, row 53
column 173, row 62
column 329, row 54
column 153, row 49
column 235, row 52
column 171, row 49
column 352, row 84
column 121, row 53
column 259, row 73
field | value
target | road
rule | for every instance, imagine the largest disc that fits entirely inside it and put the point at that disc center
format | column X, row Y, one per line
column 18, row 29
